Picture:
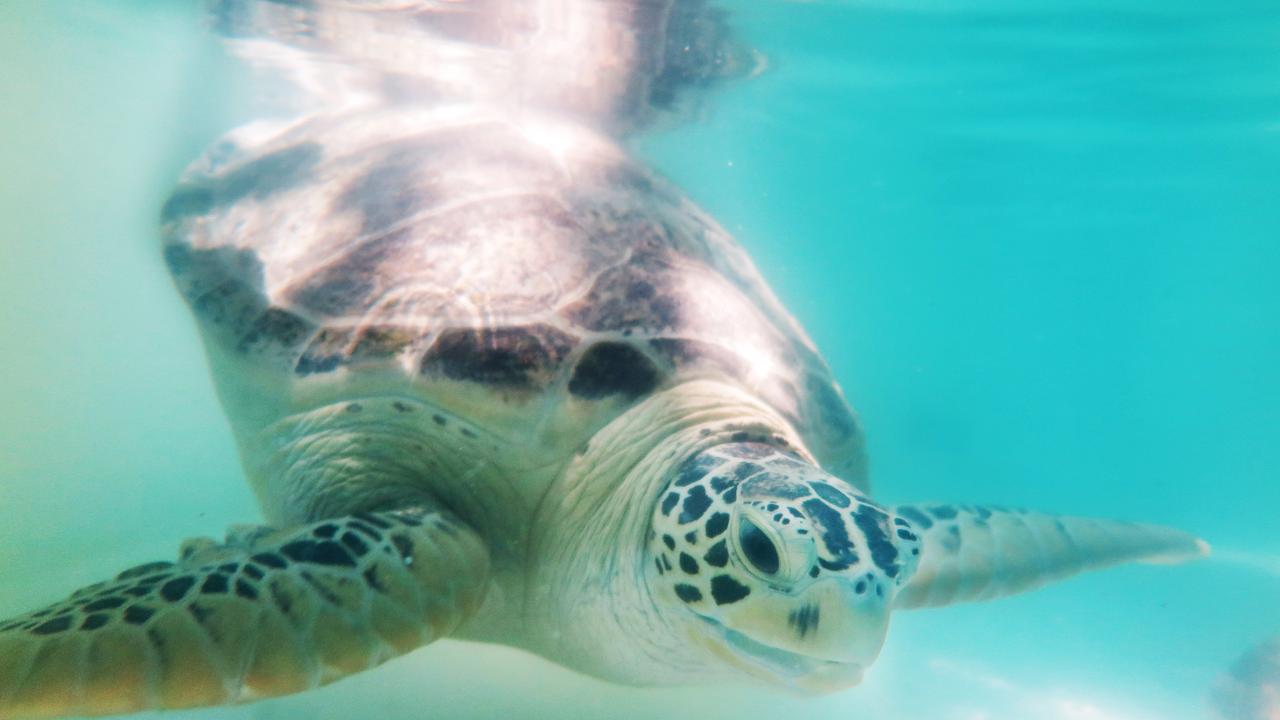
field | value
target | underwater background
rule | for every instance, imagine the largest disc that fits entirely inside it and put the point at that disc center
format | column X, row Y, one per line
column 1038, row 241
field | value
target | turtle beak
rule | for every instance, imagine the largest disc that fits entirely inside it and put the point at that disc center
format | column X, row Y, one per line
column 821, row 641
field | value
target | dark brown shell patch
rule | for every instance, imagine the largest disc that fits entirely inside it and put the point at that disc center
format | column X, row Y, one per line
column 515, row 357
column 325, row 352
column 613, row 368
column 382, row 341
column 636, row 295
column 345, row 285
column 391, row 191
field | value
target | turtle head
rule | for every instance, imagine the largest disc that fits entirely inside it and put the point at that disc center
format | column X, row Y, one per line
column 782, row 570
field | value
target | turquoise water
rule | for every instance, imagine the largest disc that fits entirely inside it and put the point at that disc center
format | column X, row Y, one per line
column 1037, row 242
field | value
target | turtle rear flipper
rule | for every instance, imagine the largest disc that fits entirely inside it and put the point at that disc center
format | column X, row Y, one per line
column 973, row 553
column 294, row 609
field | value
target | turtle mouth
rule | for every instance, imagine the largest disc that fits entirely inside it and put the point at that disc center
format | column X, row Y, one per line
column 790, row 668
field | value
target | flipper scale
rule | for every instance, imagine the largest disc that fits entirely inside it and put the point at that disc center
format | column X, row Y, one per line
column 275, row 612
column 973, row 553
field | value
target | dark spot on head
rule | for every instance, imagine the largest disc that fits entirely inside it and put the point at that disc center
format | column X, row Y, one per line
column 56, row 625
column 720, row 483
column 691, row 537
column 669, row 541
column 830, row 494
column 325, row 531
column 95, row 621
column 718, row 555
column 745, row 469
column 401, row 407
column 326, row 552
column 805, row 619
column 717, row 524
column 874, row 524
column 403, row 546
column 176, row 589
column 439, row 420
column 246, row 590
column 612, row 368
column 726, row 590
column 138, row 614
column 688, row 564
column 688, row 593
column 354, row 407
column 914, row 515
column 215, row 584
column 371, row 579
column 271, row 560
column 943, row 512
column 833, row 534
column 353, row 543
column 861, row 587
column 669, row 502
column 695, row 504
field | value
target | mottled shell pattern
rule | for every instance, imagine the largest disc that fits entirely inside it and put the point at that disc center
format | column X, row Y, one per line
column 520, row 273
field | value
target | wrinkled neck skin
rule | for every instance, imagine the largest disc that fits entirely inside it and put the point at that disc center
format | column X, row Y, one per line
column 589, row 604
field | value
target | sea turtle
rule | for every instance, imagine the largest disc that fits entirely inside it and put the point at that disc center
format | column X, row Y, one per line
column 492, row 379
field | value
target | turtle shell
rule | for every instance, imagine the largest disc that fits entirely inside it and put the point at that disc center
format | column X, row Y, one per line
column 527, row 276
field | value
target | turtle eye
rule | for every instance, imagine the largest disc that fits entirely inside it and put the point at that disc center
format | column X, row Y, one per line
column 757, row 547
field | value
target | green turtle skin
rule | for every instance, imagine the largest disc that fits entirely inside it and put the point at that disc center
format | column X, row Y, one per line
column 493, row 379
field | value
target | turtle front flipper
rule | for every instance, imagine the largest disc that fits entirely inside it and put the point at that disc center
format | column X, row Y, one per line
column 268, row 614
column 973, row 553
